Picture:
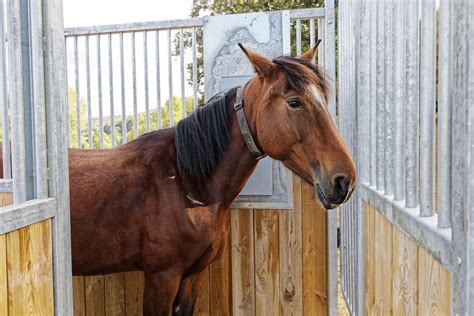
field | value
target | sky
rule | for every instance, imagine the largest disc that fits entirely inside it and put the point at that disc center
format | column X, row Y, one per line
column 98, row 12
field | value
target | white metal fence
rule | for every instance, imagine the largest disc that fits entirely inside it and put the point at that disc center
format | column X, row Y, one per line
column 406, row 89
column 33, row 111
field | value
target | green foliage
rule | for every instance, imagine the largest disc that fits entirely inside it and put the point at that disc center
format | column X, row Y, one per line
column 107, row 129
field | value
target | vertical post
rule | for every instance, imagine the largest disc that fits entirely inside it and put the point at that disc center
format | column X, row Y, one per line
column 99, row 88
column 170, row 79
column 330, row 56
column 445, row 80
column 134, row 78
column 373, row 93
column 427, row 106
column 298, row 37
column 183, row 73
column 145, row 73
column 122, row 87
column 412, row 105
column 57, row 131
column 78, row 93
column 195, row 81
column 158, row 85
column 399, row 101
column 4, row 100
column 89, row 105
column 111, row 90
column 380, row 103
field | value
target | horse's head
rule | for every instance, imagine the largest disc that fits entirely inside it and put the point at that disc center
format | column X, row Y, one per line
column 288, row 101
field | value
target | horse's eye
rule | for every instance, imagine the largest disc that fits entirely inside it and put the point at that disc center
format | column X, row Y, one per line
column 295, row 104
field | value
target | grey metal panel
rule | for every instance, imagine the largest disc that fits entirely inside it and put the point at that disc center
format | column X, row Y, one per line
column 16, row 216
column 57, row 131
column 307, row 13
column 135, row 27
column 373, row 94
column 330, row 53
column 445, row 78
column 427, row 106
column 261, row 32
column 6, row 185
column 380, row 103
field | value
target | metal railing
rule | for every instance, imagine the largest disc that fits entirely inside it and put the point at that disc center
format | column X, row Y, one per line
column 397, row 92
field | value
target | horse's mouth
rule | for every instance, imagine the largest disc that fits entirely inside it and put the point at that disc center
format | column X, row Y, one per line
column 323, row 199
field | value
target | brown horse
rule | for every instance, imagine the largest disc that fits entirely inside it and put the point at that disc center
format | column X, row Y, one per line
column 161, row 203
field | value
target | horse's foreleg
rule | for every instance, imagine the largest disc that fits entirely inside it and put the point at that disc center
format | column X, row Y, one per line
column 160, row 291
column 188, row 291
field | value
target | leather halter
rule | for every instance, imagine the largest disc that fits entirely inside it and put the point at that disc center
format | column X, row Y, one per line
column 244, row 126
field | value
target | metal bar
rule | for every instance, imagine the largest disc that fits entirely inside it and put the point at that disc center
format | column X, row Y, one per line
column 445, row 79
column 183, row 74
column 122, row 86
column 78, row 94
column 6, row 185
column 373, row 93
column 4, row 100
column 307, row 13
column 134, row 78
column 158, row 84
column 57, row 131
column 399, row 101
column 330, row 53
column 312, row 33
column 134, row 27
column 389, row 98
column 427, row 106
column 380, row 108
column 111, row 91
column 99, row 82
column 298, row 37
column 38, row 101
column 170, row 80
column 195, row 81
column 89, row 105
column 145, row 83
column 412, row 106
column 322, row 45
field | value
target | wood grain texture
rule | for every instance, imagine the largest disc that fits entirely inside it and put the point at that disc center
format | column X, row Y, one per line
column 369, row 237
column 220, row 283
column 434, row 281
column 314, row 229
column 79, row 296
column 202, row 306
column 115, row 294
column 291, row 259
column 243, row 268
column 30, row 270
column 3, row 276
column 134, row 284
column 95, row 295
column 6, row 198
column 405, row 274
column 267, row 274
column 383, row 265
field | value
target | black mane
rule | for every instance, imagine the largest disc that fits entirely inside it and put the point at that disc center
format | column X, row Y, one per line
column 202, row 137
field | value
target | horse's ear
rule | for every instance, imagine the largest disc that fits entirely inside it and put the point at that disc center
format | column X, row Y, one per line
column 262, row 65
column 309, row 55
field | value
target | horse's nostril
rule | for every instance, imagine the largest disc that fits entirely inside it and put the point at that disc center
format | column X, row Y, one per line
column 342, row 183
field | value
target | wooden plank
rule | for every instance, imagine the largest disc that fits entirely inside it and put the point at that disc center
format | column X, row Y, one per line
column 291, row 259
column 369, row 235
column 115, row 294
column 220, row 283
column 243, row 268
column 405, row 274
column 202, row 307
column 267, row 268
column 134, row 285
column 434, row 294
column 314, row 253
column 383, row 264
column 30, row 270
column 79, row 296
column 6, row 198
column 95, row 295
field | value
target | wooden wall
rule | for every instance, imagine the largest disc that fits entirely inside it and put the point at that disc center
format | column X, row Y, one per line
column 26, row 279
column 274, row 264
column 401, row 277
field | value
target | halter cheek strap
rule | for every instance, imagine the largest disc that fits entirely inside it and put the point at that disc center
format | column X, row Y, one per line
column 244, row 127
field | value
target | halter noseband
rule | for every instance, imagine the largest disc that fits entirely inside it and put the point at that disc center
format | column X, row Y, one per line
column 244, row 127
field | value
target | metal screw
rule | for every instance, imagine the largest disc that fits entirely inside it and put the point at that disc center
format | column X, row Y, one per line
column 458, row 261
column 329, row 21
column 206, row 19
